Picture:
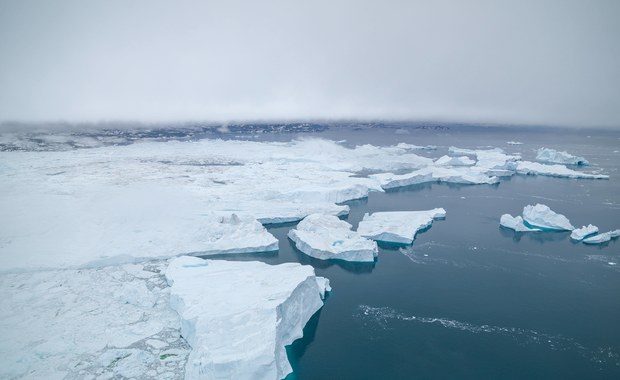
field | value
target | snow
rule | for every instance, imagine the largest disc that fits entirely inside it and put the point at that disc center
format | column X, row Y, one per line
column 602, row 238
column 559, row 157
column 239, row 316
column 327, row 237
column 542, row 216
column 515, row 223
column 454, row 161
column 397, row 226
column 535, row 168
column 583, row 232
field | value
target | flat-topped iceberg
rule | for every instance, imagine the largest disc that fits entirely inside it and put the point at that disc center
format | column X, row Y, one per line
column 238, row 317
column 460, row 175
column 542, row 216
column 454, row 161
column 535, row 168
column 327, row 237
column 602, row 238
column 515, row 223
column 553, row 156
column 583, row 232
column 397, row 226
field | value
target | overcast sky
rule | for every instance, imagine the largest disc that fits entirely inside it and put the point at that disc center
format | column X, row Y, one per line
column 524, row 62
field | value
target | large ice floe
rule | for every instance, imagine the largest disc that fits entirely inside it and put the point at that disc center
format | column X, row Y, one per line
column 327, row 237
column 397, row 226
column 242, row 336
column 542, row 216
column 559, row 157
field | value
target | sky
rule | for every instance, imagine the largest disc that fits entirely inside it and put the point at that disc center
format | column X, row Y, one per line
column 541, row 62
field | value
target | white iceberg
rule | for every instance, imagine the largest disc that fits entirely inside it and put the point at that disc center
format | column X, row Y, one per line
column 454, row 161
column 553, row 156
column 459, row 175
column 515, row 223
column 535, row 168
column 583, row 232
column 397, row 226
column 514, row 143
column 542, row 216
column 327, row 237
column 238, row 317
column 602, row 238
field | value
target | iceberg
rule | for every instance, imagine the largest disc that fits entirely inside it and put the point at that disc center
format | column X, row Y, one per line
column 602, row 238
column 515, row 223
column 327, row 237
column 553, row 156
column 542, row 216
column 460, row 175
column 535, row 168
column 397, row 226
column 454, row 161
column 583, row 232
column 238, row 317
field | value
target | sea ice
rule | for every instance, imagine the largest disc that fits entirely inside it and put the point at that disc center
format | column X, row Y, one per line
column 238, row 317
column 460, row 175
column 583, row 232
column 397, row 226
column 553, row 156
column 327, row 237
column 454, row 161
column 542, row 216
column 535, row 168
column 515, row 223
column 602, row 238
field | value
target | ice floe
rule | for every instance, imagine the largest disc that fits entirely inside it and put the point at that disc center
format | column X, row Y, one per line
column 515, row 223
column 559, row 157
column 238, row 317
column 464, row 176
column 397, row 226
column 583, row 232
column 327, row 237
column 535, row 168
column 454, row 161
column 602, row 238
column 543, row 217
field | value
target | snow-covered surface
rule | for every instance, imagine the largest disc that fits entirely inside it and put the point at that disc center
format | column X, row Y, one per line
column 454, row 161
column 397, row 226
column 327, row 237
column 515, row 223
column 542, row 216
column 602, row 238
column 583, row 232
column 553, row 156
column 239, row 316
column 112, row 322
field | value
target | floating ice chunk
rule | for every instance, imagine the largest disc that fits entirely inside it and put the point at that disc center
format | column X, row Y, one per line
column 583, row 232
column 238, row 317
column 553, row 156
column 454, row 161
column 399, row 226
column 327, row 237
column 542, row 216
column 461, row 175
column 515, row 223
column 602, row 238
column 535, row 168
column 514, row 143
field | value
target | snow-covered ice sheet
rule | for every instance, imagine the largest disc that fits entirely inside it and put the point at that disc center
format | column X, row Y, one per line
column 77, row 324
column 583, row 232
column 327, row 237
column 397, row 226
column 602, row 238
column 543, row 217
column 516, row 223
column 553, row 156
column 239, row 316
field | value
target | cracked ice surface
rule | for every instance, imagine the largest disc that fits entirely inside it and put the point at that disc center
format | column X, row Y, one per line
column 77, row 324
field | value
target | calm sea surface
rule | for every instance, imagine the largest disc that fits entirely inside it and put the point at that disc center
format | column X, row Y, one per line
column 468, row 299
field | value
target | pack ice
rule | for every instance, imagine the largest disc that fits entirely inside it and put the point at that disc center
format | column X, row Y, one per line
column 543, row 217
column 559, row 157
column 397, row 226
column 327, row 237
column 239, row 316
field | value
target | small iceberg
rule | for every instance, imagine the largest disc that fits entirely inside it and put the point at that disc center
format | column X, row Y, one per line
column 602, row 238
column 454, row 161
column 327, row 237
column 398, row 226
column 553, row 156
column 515, row 223
column 535, row 168
column 238, row 317
column 583, row 232
column 542, row 216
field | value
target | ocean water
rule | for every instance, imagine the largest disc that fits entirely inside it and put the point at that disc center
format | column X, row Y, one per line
column 469, row 299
